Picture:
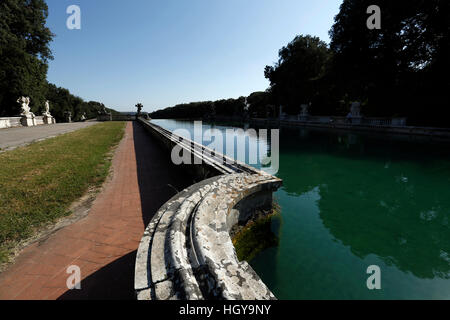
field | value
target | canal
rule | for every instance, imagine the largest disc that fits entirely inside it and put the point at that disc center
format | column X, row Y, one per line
column 350, row 201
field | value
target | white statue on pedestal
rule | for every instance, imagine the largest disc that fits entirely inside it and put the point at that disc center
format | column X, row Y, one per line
column 25, row 104
column 356, row 110
column 304, row 110
column 28, row 118
column 354, row 116
column 47, row 109
column 246, row 105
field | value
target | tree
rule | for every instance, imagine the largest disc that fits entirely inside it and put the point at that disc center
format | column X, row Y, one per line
column 400, row 69
column 260, row 104
column 301, row 64
column 203, row 109
column 24, row 53
column 395, row 69
column 61, row 100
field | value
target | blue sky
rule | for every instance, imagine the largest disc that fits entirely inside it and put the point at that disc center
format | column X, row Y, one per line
column 165, row 52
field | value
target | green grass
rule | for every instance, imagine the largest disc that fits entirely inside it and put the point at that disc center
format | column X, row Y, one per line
column 256, row 236
column 39, row 182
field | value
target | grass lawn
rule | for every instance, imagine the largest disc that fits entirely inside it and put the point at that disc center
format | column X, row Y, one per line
column 39, row 182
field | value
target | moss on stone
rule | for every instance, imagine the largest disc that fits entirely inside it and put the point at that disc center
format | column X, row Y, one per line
column 257, row 235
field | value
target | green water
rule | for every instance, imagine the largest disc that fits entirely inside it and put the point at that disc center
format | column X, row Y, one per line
column 350, row 201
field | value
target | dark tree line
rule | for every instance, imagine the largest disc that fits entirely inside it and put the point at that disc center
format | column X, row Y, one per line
column 401, row 69
column 61, row 101
column 24, row 56
column 203, row 109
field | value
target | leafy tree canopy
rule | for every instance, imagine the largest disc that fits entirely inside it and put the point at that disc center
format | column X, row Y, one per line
column 24, row 56
column 400, row 68
column 301, row 63
column 24, row 52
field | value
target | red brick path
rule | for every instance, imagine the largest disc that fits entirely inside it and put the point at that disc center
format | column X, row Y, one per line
column 103, row 244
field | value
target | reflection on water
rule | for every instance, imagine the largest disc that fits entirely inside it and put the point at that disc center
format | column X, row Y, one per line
column 350, row 201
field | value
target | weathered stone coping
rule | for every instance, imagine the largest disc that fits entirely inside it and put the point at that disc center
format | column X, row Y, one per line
column 215, row 162
column 186, row 251
column 10, row 122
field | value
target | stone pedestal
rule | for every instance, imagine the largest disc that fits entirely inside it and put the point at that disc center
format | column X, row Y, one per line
column 49, row 120
column 39, row 120
column 27, row 121
column 356, row 120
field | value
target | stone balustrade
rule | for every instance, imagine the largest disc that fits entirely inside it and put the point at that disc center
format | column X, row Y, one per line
column 10, row 122
column 39, row 120
column 186, row 251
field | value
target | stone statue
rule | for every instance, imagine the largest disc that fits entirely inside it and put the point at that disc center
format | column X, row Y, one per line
column 103, row 114
column 68, row 116
column 354, row 116
column 103, row 110
column 304, row 110
column 28, row 118
column 25, row 104
column 246, row 105
column 356, row 110
column 46, row 113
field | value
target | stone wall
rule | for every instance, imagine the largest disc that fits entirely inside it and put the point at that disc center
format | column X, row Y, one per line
column 10, row 122
column 39, row 121
column 117, row 117
column 186, row 251
column 29, row 121
column 375, row 125
column 104, row 117
column 123, row 117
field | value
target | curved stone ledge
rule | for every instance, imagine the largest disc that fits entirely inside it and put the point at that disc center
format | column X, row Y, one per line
column 186, row 252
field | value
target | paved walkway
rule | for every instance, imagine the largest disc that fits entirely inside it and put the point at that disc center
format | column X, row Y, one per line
column 15, row 137
column 104, row 243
